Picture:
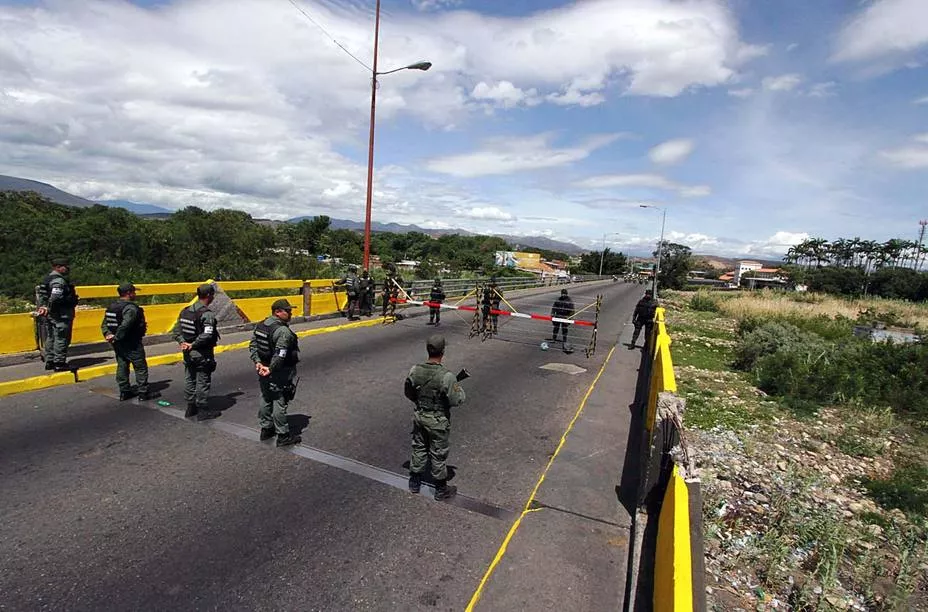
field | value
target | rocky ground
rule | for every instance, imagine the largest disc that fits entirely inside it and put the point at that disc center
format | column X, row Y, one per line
column 791, row 512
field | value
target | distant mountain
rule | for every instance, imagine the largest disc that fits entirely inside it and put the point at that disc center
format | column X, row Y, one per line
column 137, row 207
column 12, row 183
column 542, row 242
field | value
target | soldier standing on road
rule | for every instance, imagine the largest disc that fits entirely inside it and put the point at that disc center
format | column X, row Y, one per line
column 563, row 309
column 352, row 287
column 57, row 300
column 275, row 352
column 434, row 390
column 367, row 294
column 643, row 317
column 124, row 327
column 492, row 296
column 436, row 296
column 197, row 334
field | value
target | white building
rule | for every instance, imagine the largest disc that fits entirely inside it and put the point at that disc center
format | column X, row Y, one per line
column 743, row 268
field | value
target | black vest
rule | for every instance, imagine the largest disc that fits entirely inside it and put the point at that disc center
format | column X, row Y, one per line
column 67, row 299
column 113, row 318
column 264, row 338
column 191, row 324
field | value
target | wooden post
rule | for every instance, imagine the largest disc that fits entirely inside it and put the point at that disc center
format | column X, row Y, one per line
column 307, row 299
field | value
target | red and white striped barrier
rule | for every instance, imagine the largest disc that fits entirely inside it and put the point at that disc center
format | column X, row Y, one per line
column 494, row 311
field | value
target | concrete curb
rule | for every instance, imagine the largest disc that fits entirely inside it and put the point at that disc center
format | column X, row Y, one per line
column 35, row 383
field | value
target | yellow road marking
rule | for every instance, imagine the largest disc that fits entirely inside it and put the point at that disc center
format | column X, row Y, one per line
column 531, row 498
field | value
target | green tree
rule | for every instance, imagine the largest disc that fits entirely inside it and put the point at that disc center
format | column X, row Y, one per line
column 676, row 262
column 612, row 262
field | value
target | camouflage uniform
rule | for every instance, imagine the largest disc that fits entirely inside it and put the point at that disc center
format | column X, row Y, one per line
column 436, row 296
column 434, row 390
column 276, row 346
column 57, row 294
column 197, row 326
column 643, row 317
column 125, row 320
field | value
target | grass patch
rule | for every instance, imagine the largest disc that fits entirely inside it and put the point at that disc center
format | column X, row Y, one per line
column 905, row 489
column 701, row 354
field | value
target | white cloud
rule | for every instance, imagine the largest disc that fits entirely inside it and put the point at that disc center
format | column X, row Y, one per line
column 509, row 155
column 784, row 82
column 822, row 90
column 921, row 100
column 775, row 246
column 884, row 29
column 745, row 92
column 492, row 213
column 792, row 47
column 431, row 5
column 504, row 94
column 910, row 157
column 672, row 151
column 644, row 181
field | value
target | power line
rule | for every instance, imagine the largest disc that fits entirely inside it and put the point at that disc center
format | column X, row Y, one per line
column 332, row 38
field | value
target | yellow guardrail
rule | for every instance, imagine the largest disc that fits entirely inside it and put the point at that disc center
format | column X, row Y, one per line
column 18, row 330
column 673, row 562
column 662, row 377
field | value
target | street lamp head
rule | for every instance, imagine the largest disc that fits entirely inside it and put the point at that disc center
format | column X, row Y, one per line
column 419, row 66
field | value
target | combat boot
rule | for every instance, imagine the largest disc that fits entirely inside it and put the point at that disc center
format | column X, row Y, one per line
column 148, row 395
column 205, row 415
column 191, row 410
column 62, row 366
column 288, row 440
column 444, row 491
column 415, row 482
column 126, row 395
column 49, row 365
column 267, row 434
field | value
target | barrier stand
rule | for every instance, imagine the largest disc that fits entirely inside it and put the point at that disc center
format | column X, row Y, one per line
column 591, row 348
column 475, row 326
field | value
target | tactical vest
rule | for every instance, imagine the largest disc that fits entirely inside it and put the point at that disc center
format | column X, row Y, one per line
column 113, row 318
column 191, row 324
column 44, row 291
column 264, row 338
column 431, row 395
column 437, row 294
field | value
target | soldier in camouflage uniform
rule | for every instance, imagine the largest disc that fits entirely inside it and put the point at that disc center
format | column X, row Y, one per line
column 57, row 300
column 367, row 294
column 124, row 327
column 275, row 351
column 436, row 296
column 434, row 390
column 197, row 334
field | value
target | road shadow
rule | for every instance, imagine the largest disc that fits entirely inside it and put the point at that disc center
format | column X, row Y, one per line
column 86, row 362
column 159, row 385
column 627, row 490
column 224, row 402
column 297, row 422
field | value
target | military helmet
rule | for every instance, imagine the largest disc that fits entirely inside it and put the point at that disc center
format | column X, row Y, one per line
column 437, row 281
column 563, row 291
column 352, row 268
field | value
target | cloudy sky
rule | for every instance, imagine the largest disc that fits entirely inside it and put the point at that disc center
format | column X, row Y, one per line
column 755, row 123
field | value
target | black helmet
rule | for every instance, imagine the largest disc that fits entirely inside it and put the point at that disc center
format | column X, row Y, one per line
column 563, row 291
column 437, row 281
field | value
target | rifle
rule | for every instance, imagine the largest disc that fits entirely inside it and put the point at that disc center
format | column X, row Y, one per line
column 289, row 391
column 463, row 374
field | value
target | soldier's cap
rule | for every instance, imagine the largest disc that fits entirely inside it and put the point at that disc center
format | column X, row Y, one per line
column 126, row 288
column 205, row 290
column 365, row 274
column 435, row 345
column 563, row 291
column 649, row 292
column 61, row 261
column 437, row 281
column 281, row 304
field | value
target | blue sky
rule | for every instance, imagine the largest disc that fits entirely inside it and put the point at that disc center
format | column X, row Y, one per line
column 755, row 123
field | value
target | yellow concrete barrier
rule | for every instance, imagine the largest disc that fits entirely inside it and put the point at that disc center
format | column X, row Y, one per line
column 17, row 332
column 35, row 383
column 662, row 376
column 673, row 563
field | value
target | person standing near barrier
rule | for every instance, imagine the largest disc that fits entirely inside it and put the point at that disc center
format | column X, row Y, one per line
column 57, row 300
column 643, row 317
column 436, row 296
column 367, row 294
column 197, row 334
column 275, row 351
column 563, row 308
column 352, row 285
column 492, row 296
column 435, row 391
column 124, row 327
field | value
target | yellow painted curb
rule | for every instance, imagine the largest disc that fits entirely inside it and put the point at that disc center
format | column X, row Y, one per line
column 35, row 383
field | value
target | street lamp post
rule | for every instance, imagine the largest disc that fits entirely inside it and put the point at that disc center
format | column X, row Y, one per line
column 602, row 256
column 370, row 150
column 660, row 245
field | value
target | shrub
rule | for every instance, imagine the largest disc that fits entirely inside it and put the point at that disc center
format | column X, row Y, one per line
column 905, row 489
column 704, row 301
column 766, row 339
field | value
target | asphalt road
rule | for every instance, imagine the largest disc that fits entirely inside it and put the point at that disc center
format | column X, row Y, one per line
column 109, row 505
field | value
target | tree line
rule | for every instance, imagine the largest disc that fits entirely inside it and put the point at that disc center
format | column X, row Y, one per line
column 108, row 245
column 853, row 267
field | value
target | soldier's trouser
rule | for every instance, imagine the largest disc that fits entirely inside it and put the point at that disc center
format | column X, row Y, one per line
column 367, row 304
column 274, row 403
column 134, row 354
column 352, row 306
column 59, row 339
column 198, row 376
column 431, row 432
column 385, row 305
column 563, row 329
column 434, row 315
column 647, row 332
